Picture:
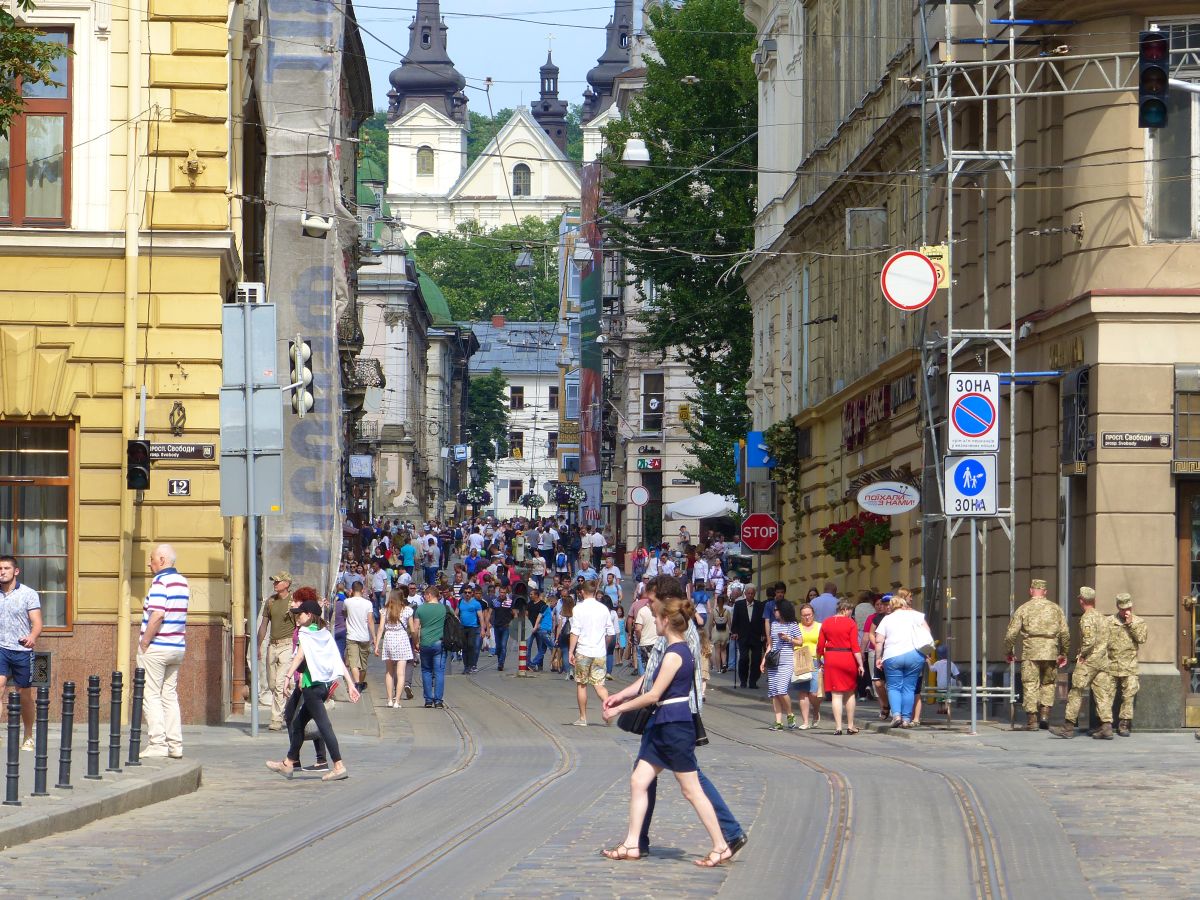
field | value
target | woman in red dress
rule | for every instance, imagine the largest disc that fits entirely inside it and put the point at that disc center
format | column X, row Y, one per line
column 842, row 662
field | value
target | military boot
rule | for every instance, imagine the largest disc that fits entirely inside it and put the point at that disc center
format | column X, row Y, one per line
column 1067, row 730
column 1125, row 727
column 1031, row 723
column 1043, row 717
column 1105, row 733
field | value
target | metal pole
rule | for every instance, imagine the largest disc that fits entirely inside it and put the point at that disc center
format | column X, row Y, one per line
column 64, row 746
column 974, row 626
column 135, row 718
column 114, row 725
column 496, row 479
column 252, row 521
column 93, row 747
column 13, row 777
column 41, row 730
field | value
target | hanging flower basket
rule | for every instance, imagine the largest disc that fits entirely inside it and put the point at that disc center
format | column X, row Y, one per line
column 532, row 500
column 569, row 496
column 475, row 496
column 857, row 536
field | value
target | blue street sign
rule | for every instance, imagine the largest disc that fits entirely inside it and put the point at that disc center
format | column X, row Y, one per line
column 757, row 454
column 970, row 477
column 974, row 415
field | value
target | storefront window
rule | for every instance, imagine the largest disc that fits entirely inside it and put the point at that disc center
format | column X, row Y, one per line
column 35, row 512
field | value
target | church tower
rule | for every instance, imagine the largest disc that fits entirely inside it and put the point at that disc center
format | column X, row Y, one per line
column 615, row 60
column 549, row 111
column 427, row 75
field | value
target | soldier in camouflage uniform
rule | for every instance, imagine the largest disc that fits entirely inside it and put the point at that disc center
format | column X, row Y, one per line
column 1091, row 666
column 1042, row 628
column 1126, row 632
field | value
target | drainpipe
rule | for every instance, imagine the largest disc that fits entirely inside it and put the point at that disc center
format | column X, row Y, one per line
column 130, row 333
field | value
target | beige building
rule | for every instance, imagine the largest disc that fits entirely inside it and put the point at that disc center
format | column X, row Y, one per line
column 1104, row 490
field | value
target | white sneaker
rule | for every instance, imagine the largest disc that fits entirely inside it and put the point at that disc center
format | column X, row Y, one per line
column 154, row 753
column 582, row 723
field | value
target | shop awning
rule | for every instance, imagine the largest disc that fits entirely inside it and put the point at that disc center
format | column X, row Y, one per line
column 702, row 506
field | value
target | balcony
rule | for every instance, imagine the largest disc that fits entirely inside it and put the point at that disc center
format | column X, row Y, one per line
column 368, row 431
column 360, row 374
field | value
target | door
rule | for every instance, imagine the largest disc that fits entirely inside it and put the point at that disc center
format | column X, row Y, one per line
column 1189, row 590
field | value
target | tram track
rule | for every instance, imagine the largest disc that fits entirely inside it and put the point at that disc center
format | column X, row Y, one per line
column 984, row 858
column 467, row 755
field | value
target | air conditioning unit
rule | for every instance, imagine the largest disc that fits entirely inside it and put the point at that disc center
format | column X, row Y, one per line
column 251, row 292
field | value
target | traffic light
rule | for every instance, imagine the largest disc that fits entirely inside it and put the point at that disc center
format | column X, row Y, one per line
column 1154, row 60
column 300, row 354
column 137, row 465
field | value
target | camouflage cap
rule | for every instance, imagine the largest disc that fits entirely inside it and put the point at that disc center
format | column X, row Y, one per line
column 282, row 575
column 1087, row 593
column 1124, row 601
column 1038, row 584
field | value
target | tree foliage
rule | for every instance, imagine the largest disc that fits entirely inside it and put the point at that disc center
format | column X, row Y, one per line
column 487, row 420
column 475, row 268
column 373, row 135
column 24, row 56
column 686, row 233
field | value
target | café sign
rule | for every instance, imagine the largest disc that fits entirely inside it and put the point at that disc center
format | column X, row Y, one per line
column 877, row 405
column 889, row 498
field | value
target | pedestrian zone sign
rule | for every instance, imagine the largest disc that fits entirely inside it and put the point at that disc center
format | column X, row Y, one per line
column 974, row 420
column 971, row 486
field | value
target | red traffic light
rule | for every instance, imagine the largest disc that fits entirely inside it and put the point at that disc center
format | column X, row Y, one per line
column 1154, row 60
column 1153, row 46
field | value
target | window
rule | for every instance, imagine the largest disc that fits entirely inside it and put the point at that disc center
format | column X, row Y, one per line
column 516, row 488
column 1176, row 213
column 573, row 402
column 522, row 182
column 573, row 334
column 516, row 398
column 551, row 443
column 35, row 512
column 424, row 160
column 34, row 157
column 516, row 444
column 553, row 398
column 652, row 402
column 574, row 278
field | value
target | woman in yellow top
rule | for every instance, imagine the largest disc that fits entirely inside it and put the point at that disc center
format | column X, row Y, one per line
column 810, row 687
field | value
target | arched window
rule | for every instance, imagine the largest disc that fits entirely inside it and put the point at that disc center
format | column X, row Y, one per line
column 522, row 182
column 425, row 161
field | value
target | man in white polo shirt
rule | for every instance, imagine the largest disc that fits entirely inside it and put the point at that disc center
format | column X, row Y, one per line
column 20, row 625
column 591, row 626
column 160, row 653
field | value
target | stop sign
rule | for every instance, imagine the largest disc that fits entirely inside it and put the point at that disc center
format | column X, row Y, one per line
column 760, row 532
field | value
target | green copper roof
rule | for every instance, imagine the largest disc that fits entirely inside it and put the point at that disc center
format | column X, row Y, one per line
column 435, row 300
column 366, row 196
column 370, row 170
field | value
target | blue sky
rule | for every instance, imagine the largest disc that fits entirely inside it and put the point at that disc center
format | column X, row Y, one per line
column 508, row 51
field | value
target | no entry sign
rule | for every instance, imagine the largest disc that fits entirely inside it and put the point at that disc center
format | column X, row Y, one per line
column 760, row 532
column 974, row 419
column 909, row 280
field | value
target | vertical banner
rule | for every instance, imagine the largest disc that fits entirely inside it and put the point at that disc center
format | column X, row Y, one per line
column 591, row 397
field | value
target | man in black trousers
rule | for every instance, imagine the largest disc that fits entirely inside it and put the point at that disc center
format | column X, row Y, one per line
column 747, row 630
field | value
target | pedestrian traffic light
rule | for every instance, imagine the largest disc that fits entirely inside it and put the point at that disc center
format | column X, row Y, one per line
column 137, row 465
column 300, row 354
column 1154, row 55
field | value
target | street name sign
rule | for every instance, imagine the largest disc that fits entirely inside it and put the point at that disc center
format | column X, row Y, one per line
column 183, row 451
column 971, row 486
column 909, row 280
column 1135, row 440
column 760, row 532
column 974, row 421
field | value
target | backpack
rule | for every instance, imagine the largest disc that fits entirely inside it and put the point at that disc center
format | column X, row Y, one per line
column 560, row 561
column 453, row 636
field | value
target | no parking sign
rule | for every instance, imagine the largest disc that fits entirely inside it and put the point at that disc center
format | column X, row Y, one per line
column 974, row 412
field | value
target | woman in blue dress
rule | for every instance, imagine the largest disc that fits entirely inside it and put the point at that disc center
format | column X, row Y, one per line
column 669, row 740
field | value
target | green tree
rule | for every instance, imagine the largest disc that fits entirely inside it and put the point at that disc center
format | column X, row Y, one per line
column 487, row 420
column 692, row 212
column 575, row 132
column 483, row 129
column 22, row 55
column 374, row 140
column 475, row 268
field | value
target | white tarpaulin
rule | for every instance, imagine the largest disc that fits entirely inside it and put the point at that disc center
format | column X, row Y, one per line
column 702, row 506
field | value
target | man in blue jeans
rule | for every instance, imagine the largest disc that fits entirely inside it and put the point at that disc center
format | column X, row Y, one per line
column 469, row 612
column 502, row 616
column 430, row 617
column 666, row 586
column 542, row 617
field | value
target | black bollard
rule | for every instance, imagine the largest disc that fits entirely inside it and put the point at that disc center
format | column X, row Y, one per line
column 93, row 751
column 68, row 727
column 114, row 725
column 13, row 778
column 41, row 736
column 135, row 718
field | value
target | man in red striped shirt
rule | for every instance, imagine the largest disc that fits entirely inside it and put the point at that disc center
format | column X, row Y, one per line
column 160, row 653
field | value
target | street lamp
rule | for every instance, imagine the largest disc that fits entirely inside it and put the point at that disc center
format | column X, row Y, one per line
column 636, row 155
column 473, row 471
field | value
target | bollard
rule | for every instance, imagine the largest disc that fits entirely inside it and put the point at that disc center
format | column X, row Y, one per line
column 135, row 718
column 522, row 658
column 41, row 735
column 114, row 725
column 93, row 751
column 68, row 727
column 12, row 779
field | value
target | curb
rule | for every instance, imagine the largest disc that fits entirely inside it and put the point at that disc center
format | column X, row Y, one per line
column 130, row 793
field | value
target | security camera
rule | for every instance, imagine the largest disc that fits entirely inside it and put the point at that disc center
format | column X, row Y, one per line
column 315, row 226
